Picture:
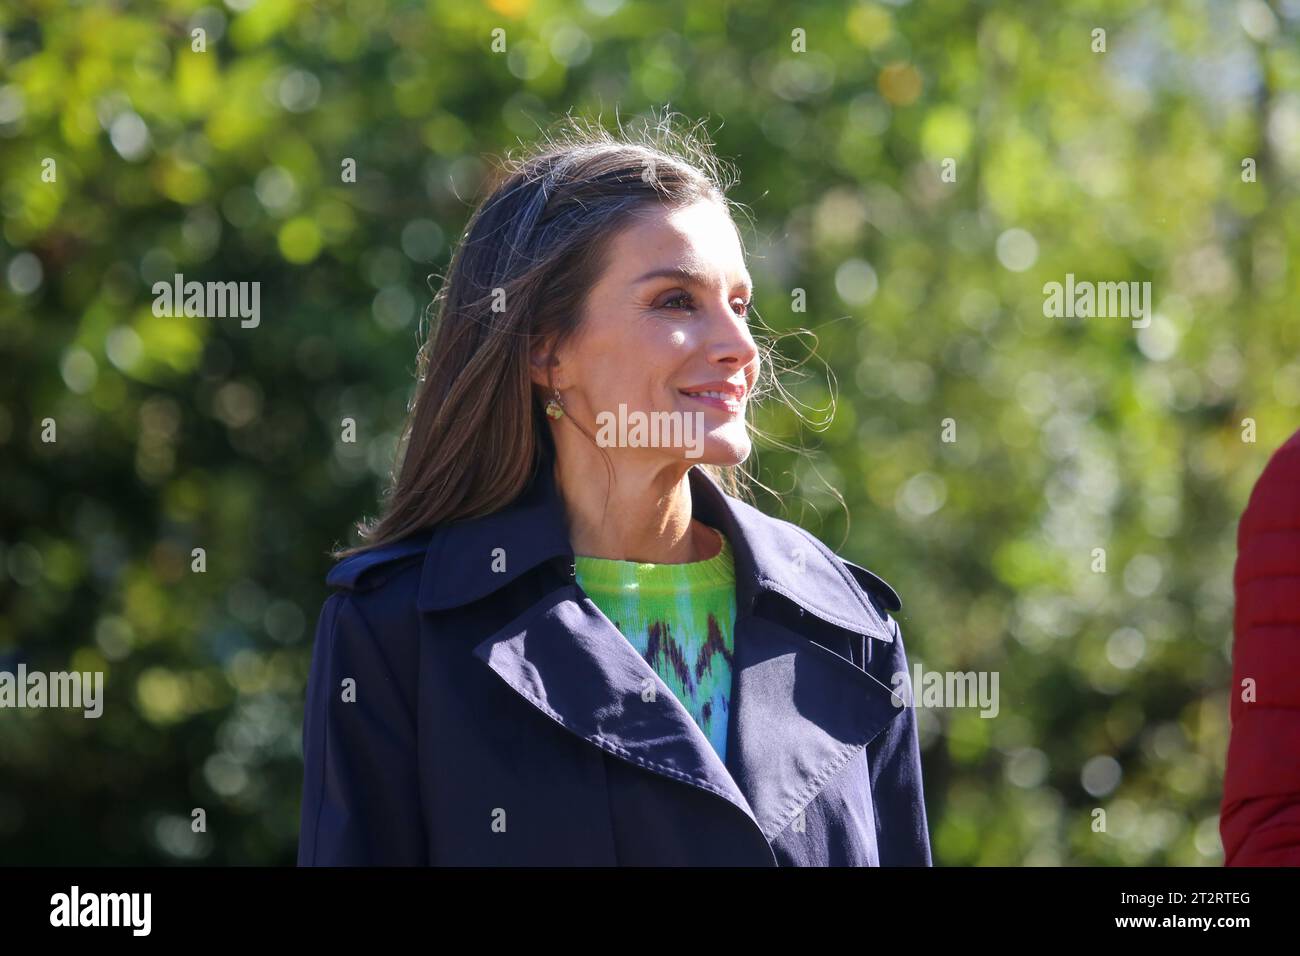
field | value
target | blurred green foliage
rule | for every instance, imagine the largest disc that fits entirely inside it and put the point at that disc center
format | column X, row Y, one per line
column 926, row 297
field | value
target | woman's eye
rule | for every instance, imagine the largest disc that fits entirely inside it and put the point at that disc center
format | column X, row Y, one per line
column 682, row 300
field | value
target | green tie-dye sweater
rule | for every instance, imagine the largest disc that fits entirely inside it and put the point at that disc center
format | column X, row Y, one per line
column 680, row 618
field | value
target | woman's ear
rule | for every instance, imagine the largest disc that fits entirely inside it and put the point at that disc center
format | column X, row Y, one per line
column 540, row 360
column 546, row 367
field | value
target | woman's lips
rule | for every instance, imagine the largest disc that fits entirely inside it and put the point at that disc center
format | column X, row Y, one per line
column 729, row 405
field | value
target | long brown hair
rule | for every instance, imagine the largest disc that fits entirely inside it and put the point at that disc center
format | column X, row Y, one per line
column 531, row 251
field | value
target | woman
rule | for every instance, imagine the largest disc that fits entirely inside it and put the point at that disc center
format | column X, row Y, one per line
column 568, row 642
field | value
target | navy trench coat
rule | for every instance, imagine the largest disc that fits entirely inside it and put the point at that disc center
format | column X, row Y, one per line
column 468, row 705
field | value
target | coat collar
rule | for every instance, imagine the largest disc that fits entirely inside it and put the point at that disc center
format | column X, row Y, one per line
column 799, row 711
column 770, row 554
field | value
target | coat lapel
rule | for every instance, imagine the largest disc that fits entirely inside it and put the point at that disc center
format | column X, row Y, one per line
column 799, row 711
column 567, row 659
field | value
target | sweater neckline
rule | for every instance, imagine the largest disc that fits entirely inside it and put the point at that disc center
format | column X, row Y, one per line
column 610, row 575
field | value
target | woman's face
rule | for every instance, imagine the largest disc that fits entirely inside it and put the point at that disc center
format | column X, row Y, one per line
column 666, row 324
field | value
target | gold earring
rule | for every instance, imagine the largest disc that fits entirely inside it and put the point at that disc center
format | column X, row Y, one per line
column 554, row 408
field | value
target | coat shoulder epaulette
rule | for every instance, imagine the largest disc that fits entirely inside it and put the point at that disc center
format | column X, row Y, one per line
column 371, row 568
column 875, row 586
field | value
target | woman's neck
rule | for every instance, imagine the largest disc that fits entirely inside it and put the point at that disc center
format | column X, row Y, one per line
column 642, row 514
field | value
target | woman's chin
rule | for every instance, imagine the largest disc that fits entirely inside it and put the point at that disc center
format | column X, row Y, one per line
column 724, row 447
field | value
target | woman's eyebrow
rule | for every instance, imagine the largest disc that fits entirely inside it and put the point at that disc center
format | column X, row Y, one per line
column 684, row 274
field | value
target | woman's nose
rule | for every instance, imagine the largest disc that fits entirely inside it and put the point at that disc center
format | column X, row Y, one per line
column 733, row 342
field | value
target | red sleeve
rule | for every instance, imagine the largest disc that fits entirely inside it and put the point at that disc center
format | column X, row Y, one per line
column 1260, row 815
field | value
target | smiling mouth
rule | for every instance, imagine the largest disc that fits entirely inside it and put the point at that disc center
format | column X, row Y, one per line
column 727, row 400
